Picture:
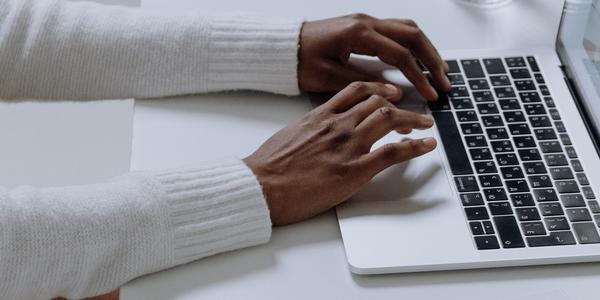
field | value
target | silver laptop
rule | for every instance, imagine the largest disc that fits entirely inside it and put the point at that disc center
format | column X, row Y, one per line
column 515, row 180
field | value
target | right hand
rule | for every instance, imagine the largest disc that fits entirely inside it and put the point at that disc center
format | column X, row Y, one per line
column 324, row 158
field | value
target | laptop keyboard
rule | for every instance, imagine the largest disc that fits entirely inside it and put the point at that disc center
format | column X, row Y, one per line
column 517, row 173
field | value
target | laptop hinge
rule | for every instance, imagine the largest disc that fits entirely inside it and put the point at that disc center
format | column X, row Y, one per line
column 587, row 120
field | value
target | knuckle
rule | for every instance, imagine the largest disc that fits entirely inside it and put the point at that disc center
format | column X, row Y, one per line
column 358, row 86
column 360, row 16
column 415, row 32
column 356, row 27
column 385, row 112
column 410, row 22
column 390, row 151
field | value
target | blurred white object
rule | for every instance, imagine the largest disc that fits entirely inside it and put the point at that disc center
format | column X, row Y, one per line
column 577, row 6
column 486, row 3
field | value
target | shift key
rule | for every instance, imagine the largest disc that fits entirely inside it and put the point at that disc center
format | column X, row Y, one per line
column 509, row 232
column 452, row 142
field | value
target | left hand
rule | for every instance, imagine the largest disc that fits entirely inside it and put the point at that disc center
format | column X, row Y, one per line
column 326, row 45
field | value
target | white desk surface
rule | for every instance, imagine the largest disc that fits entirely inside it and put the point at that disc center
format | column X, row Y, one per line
column 306, row 261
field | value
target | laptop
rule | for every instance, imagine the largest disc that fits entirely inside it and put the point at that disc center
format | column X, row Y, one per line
column 515, row 180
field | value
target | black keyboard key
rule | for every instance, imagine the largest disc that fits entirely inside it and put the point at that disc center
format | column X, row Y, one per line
column 471, row 128
column 544, row 90
column 509, row 104
column 488, row 227
column 519, row 128
column 485, row 167
column 533, row 64
column 533, row 228
column 534, row 109
column 517, row 186
column 540, row 181
column 530, row 97
column 556, row 160
column 502, row 146
column 475, row 141
column 549, row 102
column 525, row 85
column 534, row 168
column 480, row 154
column 442, row 103
column 558, row 238
column 583, row 180
column 571, row 153
column 554, row 114
column 454, row 68
column 471, row 199
column 588, row 193
column 494, row 66
column 524, row 141
column 550, row 147
column 520, row 74
column 455, row 151
column 476, row 213
column 597, row 220
column 560, row 126
column 551, row 209
column 511, row 172
column 572, row 200
column 540, row 121
column 557, row 223
column 544, row 134
column 529, row 154
column 543, row 195
column 515, row 62
column 561, row 173
column 500, row 208
column 539, row 78
column 487, row 108
column 462, row 103
column 466, row 116
column 504, row 92
column 456, row 79
column 497, row 133
column 500, row 80
column 487, row 242
column 472, row 68
column 527, row 213
column 459, row 92
column 508, row 159
column 488, row 181
column 479, row 84
column 577, row 167
column 586, row 233
column 483, row 96
column 476, row 228
column 492, row 121
column 567, row 186
column 594, row 206
column 508, row 230
column 466, row 184
column 514, row 116
column 578, row 214
column 520, row 200
column 495, row 194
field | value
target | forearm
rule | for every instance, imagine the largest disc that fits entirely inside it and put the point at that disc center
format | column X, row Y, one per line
column 62, row 50
column 88, row 240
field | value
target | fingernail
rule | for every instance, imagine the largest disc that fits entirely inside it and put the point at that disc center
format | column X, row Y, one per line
column 391, row 89
column 429, row 142
column 434, row 93
column 448, row 83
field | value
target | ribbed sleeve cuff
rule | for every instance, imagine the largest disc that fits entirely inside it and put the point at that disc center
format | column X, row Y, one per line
column 214, row 208
column 254, row 54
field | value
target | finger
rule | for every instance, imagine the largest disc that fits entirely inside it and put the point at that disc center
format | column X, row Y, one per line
column 392, row 53
column 394, row 153
column 414, row 38
column 342, row 76
column 365, row 108
column 359, row 91
column 385, row 119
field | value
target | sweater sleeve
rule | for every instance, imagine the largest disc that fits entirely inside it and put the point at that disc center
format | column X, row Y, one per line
column 54, row 49
column 87, row 240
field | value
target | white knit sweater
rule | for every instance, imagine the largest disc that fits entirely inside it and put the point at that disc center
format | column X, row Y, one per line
column 87, row 240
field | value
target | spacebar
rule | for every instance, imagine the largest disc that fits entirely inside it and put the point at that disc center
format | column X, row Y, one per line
column 453, row 145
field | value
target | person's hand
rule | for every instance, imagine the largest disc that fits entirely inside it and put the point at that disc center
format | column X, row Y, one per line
column 324, row 158
column 326, row 45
